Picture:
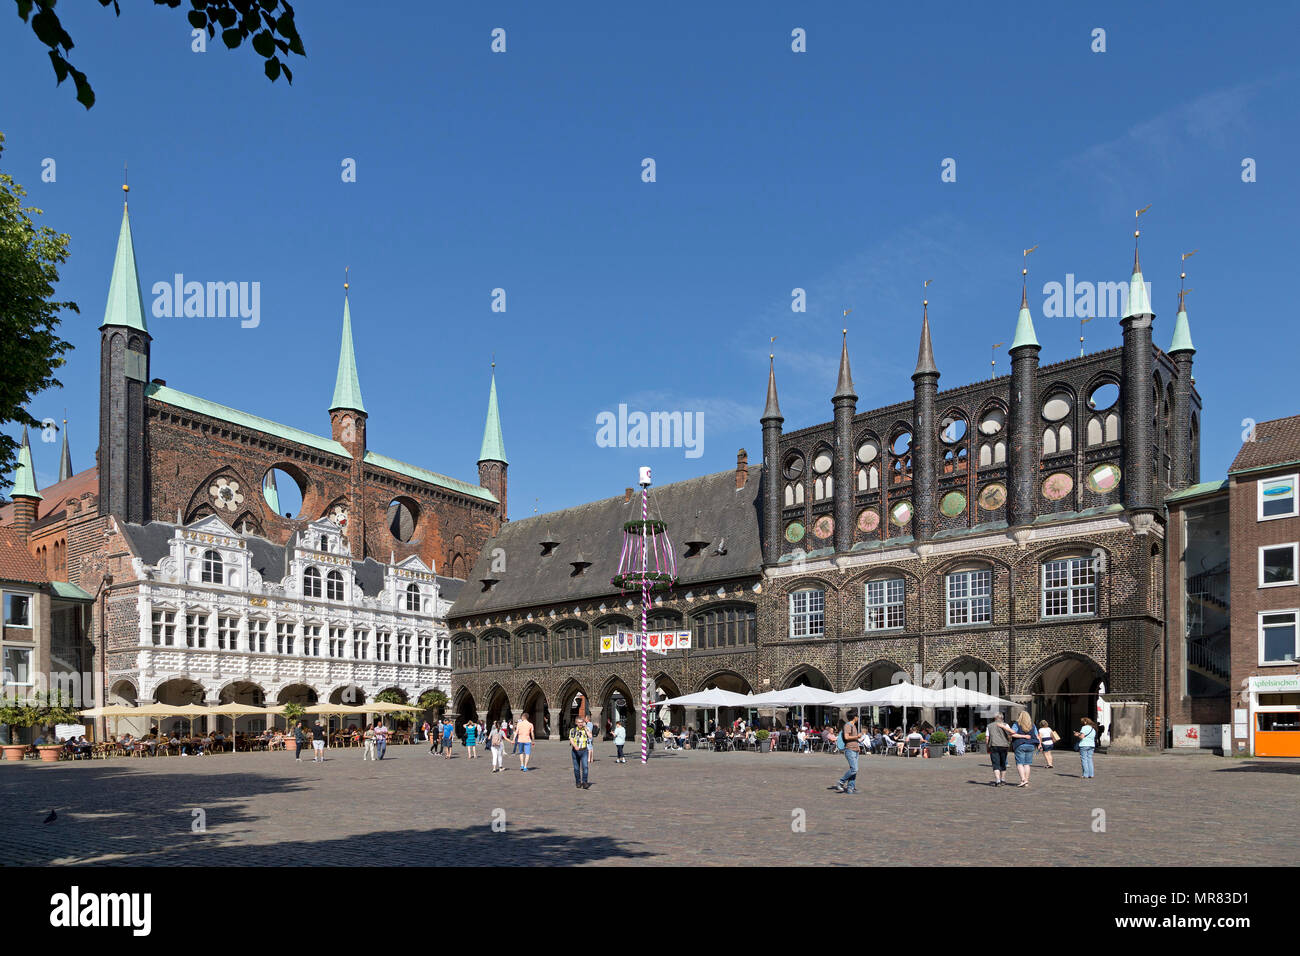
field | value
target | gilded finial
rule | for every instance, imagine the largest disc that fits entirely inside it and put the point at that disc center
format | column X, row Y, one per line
column 345, row 278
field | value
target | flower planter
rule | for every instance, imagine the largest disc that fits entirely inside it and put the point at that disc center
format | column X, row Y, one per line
column 937, row 750
column 50, row 753
column 290, row 745
column 765, row 746
column 14, row 751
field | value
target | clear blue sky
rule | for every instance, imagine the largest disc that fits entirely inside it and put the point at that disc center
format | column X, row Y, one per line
column 775, row 170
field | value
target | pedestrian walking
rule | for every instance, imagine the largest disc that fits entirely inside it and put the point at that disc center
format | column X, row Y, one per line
column 435, row 737
column 369, row 739
column 524, row 739
column 1024, row 738
column 471, row 739
column 848, row 783
column 579, row 739
column 381, row 739
column 497, row 743
column 318, row 734
column 591, row 739
column 998, row 735
column 1047, row 738
column 620, row 738
column 1087, row 735
column 448, row 733
column 425, row 729
column 299, row 740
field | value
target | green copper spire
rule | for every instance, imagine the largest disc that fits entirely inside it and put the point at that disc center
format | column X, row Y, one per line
column 24, row 474
column 494, row 446
column 125, row 304
column 1182, row 332
column 1025, row 334
column 1138, row 301
column 347, row 388
column 271, row 493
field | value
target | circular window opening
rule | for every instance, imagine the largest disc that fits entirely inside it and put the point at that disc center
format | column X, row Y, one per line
column 1103, row 397
column 902, row 443
column 282, row 493
column 867, row 452
column 822, row 463
column 952, row 430
column 402, row 516
column 993, row 422
column 1057, row 407
column 793, row 469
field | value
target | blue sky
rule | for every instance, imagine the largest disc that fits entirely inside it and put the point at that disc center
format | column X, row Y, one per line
column 775, row 170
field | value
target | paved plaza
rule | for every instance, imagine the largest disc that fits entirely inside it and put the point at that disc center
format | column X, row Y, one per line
column 682, row 808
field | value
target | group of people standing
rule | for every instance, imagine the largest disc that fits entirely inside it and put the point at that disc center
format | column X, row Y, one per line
column 1024, row 740
column 442, row 739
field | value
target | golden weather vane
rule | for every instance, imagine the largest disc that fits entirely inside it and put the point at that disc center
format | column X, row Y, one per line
column 1082, row 323
column 993, row 353
column 345, row 278
column 1024, row 268
column 1182, row 279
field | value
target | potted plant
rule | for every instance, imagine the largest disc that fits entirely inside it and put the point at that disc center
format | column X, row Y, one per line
column 764, row 738
column 48, row 710
column 292, row 714
column 978, row 740
column 938, row 743
column 13, row 714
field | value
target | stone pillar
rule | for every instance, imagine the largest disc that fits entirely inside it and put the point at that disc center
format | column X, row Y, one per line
column 1022, row 502
column 1139, row 440
column 1181, row 451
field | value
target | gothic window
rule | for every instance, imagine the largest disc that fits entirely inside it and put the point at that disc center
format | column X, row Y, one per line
column 334, row 586
column 311, row 583
column 793, row 470
column 733, row 626
column 532, row 646
column 901, row 455
column 466, row 657
column 212, row 570
column 573, row 643
column 868, row 478
column 496, row 650
column 822, row 462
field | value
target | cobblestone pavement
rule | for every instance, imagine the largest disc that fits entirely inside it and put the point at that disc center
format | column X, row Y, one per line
column 682, row 808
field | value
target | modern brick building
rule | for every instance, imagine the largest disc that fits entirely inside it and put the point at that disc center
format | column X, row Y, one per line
column 1007, row 534
column 173, row 460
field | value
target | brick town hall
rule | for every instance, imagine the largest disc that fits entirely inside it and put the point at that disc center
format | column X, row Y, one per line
column 169, row 572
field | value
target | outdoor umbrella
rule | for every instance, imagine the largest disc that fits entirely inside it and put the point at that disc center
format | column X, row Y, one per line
column 234, row 711
column 339, row 709
column 801, row 695
column 710, row 700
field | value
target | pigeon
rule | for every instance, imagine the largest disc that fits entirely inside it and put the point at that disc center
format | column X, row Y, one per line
column 52, row 817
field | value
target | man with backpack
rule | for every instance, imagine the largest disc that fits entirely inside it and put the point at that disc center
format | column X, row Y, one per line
column 848, row 741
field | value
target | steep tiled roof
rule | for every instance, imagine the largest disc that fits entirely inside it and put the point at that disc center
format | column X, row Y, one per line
column 16, row 562
column 710, row 507
column 1277, row 442
column 54, row 496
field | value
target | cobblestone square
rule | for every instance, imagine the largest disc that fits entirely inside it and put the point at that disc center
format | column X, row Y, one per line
column 682, row 808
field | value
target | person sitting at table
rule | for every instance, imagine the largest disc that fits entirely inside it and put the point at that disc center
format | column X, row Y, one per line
column 915, row 739
column 958, row 741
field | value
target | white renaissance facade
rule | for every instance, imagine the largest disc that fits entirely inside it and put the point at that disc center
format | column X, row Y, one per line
column 213, row 628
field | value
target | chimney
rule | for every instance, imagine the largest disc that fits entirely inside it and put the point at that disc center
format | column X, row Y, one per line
column 742, row 469
column 627, row 495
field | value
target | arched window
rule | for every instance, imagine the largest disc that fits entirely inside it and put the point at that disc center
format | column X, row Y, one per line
column 734, row 626
column 808, row 613
column 572, row 643
column 334, row 586
column 464, row 657
column 1070, row 586
column 213, row 570
column 413, row 597
column 311, row 583
column 496, row 649
column 532, row 646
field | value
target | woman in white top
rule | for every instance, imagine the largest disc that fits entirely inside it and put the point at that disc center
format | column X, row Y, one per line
column 1048, row 737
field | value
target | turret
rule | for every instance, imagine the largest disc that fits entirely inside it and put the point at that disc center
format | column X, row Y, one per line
column 771, row 421
column 124, row 343
column 1138, row 403
column 347, row 410
column 492, row 461
column 925, row 388
column 1022, row 504
column 1182, row 351
column 24, row 493
column 844, row 402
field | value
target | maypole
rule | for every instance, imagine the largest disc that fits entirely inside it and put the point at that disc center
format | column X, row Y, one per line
column 648, row 536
